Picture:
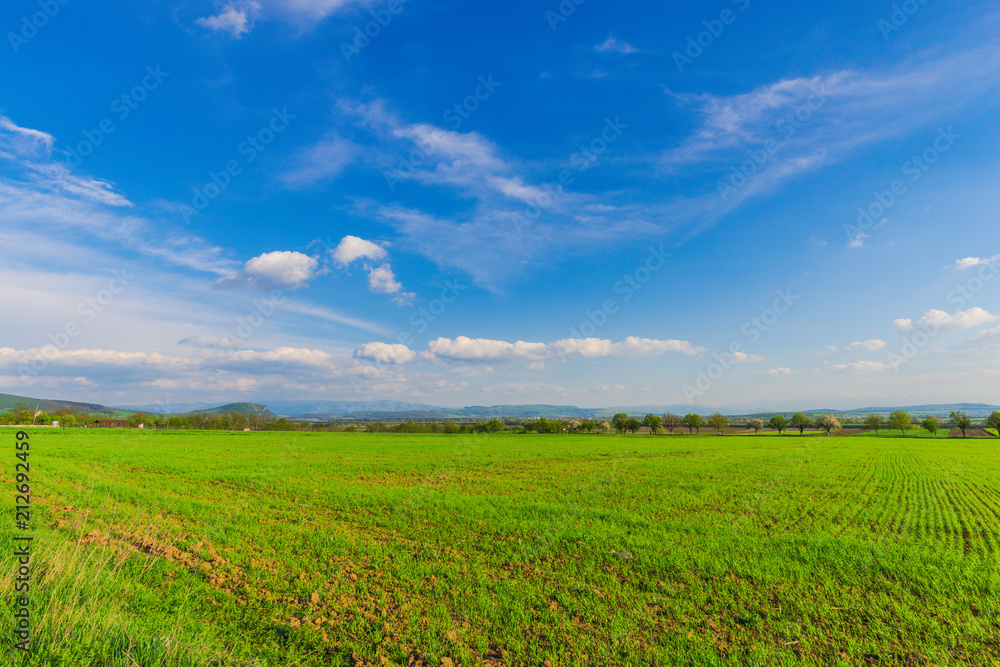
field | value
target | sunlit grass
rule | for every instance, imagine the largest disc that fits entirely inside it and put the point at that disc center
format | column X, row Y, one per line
column 272, row 548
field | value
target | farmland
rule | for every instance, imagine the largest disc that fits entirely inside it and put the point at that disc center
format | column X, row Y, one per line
column 226, row 548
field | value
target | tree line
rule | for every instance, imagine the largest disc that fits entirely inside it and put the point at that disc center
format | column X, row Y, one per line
column 897, row 420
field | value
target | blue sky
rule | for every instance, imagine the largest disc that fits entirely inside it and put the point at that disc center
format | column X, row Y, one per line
column 726, row 204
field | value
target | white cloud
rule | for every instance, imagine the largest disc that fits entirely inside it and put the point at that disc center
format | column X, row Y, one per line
column 988, row 334
column 829, row 349
column 970, row 262
column 351, row 248
column 612, row 44
column 858, row 240
column 463, row 348
column 237, row 22
column 858, row 367
column 322, row 161
column 382, row 280
column 385, row 353
column 743, row 357
column 536, row 366
column 965, row 319
column 872, row 345
column 24, row 141
column 781, row 370
column 903, row 324
column 283, row 268
column 611, row 388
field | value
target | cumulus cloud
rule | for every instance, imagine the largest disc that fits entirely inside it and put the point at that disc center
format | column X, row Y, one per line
column 464, row 348
column 872, row 345
column 829, row 349
column 611, row 388
column 965, row 319
column 743, row 357
column 969, row 262
column 903, row 324
column 351, row 248
column 385, row 353
column 781, row 370
column 858, row 367
column 290, row 269
column 237, row 22
column 382, row 280
column 988, row 334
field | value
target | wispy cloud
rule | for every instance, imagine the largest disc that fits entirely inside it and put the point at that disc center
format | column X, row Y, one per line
column 613, row 45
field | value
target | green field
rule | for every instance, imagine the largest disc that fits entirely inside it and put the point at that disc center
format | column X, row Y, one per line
column 219, row 548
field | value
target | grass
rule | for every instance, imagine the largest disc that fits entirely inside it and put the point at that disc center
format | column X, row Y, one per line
column 220, row 548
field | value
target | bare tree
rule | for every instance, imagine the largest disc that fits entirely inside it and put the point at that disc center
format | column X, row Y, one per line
column 671, row 421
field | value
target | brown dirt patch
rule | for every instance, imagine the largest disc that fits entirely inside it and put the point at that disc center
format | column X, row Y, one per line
column 970, row 433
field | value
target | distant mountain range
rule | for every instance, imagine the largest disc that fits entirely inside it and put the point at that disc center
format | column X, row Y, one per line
column 401, row 410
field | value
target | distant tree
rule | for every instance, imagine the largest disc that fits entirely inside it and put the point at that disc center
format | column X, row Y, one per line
column 778, row 422
column 718, row 421
column 755, row 424
column 931, row 424
column 632, row 425
column 993, row 422
column 960, row 420
column 587, row 425
column 618, row 421
column 492, row 426
column 899, row 419
column 828, row 423
column 605, row 425
column 874, row 422
column 652, row 421
column 671, row 421
column 449, row 427
column 800, row 421
column 694, row 422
